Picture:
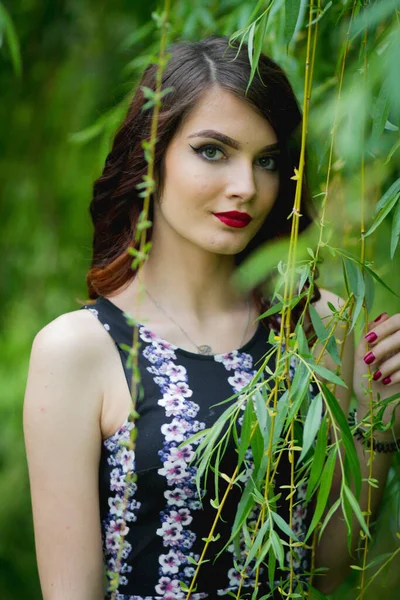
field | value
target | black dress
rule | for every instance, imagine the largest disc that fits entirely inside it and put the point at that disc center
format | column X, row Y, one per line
column 164, row 522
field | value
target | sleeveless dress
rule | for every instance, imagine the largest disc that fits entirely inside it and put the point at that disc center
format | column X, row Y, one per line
column 163, row 526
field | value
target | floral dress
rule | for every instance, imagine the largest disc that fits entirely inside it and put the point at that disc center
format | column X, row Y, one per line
column 159, row 516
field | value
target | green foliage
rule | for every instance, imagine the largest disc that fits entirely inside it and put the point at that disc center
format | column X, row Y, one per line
column 61, row 111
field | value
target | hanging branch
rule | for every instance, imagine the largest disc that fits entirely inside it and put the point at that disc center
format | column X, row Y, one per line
column 140, row 256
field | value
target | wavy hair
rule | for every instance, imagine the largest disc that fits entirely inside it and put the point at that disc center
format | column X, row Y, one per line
column 193, row 68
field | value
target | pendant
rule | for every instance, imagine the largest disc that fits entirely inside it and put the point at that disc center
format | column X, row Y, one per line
column 204, row 349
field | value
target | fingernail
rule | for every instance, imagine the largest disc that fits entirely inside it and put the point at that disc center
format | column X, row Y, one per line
column 386, row 380
column 376, row 375
column 369, row 358
column 380, row 317
column 371, row 336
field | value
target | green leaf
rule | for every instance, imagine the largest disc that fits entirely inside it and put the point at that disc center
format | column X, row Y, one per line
column 356, row 508
column 318, row 459
column 261, row 411
column 321, row 14
column 258, row 42
column 245, row 505
column 394, row 149
column 328, row 516
column 283, row 526
column 263, row 552
column 271, row 569
column 380, row 112
column 250, row 42
column 348, row 442
column 324, row 489
column 316, row 594
column 245, row 432
column 395, row 231
column 369, row 290
column 383, row 214
column 327, row 374
column 302, row 341
column 277, row 547
column 257, row 542
column 279, row 306
column 357, row 285
column 280, row 419
column 311, row 425
column 318, row 325
column 292, row 12
column 298, row 391
column 6, row 25
column 333, row 350
column 323, row 333
column 381, row 210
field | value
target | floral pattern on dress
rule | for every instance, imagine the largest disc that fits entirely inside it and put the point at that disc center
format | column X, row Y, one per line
column 182, row 499
column 116, row 523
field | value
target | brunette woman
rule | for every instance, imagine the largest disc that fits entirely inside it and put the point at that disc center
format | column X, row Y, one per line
column 224, row 161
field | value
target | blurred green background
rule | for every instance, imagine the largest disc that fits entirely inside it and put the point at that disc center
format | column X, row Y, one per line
column 80, row 61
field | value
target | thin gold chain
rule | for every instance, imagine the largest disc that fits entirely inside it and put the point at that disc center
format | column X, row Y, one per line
column 204, row 348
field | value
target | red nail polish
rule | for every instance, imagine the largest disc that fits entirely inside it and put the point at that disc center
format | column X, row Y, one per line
column 371, row 336
column 380, row 317
column 369, row 358
column 386, row 380
column 376, row 375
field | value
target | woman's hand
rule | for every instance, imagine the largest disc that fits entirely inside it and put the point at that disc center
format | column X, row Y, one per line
column 380, row 351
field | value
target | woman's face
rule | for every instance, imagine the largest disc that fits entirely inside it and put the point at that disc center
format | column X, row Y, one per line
column 221, row 176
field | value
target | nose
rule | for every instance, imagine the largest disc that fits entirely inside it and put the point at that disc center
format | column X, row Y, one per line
column 241, row 183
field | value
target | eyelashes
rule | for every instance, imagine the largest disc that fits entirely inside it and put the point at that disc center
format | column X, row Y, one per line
column 203, row 149
column 208, row 153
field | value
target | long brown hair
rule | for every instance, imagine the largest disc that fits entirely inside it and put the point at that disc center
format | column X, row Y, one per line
column 193, row 68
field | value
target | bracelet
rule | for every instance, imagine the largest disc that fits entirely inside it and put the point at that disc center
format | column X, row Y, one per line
column 363, row 434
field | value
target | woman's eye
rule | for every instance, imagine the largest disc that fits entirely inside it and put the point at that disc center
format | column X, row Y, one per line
column 211, row 153
column 268, row 162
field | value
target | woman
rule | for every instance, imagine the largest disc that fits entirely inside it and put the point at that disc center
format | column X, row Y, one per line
column 223, row 163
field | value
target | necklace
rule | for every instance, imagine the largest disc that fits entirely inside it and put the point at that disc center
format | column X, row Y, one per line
column 204, row 348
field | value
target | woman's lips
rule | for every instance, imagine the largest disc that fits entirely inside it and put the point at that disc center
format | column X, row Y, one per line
column 234, row 218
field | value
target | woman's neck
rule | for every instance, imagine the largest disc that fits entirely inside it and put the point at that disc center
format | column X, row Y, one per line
column 191, row 281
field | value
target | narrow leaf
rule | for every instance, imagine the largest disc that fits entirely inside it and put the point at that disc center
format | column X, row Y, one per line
column 277, row 547
column 380, row 112
column 383, row 214
column 257, row 542
column 318, row 460
column 245, row 431
column 348, row 442
column 357, row 286
column 356, row 508
column 324, row 489
column 283, row 526
column 7, row 26
column 318, row 325
column 392, row 191
column 311, row 425
column 327, row 374
column 292, row 11
column 395, row 231
column 328, row 516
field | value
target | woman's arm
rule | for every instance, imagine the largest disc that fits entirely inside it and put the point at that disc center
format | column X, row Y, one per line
column 332, row 551
column 63, row 440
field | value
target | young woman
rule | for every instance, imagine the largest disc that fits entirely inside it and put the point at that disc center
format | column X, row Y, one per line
column 223, row 163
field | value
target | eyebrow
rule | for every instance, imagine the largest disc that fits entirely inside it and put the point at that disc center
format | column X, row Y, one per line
column 228, row 141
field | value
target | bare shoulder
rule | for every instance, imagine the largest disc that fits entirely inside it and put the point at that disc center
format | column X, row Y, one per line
column 73, row 335
column 67, row 368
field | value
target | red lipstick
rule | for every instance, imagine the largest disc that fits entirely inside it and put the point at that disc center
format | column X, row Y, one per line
column 234, row 218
